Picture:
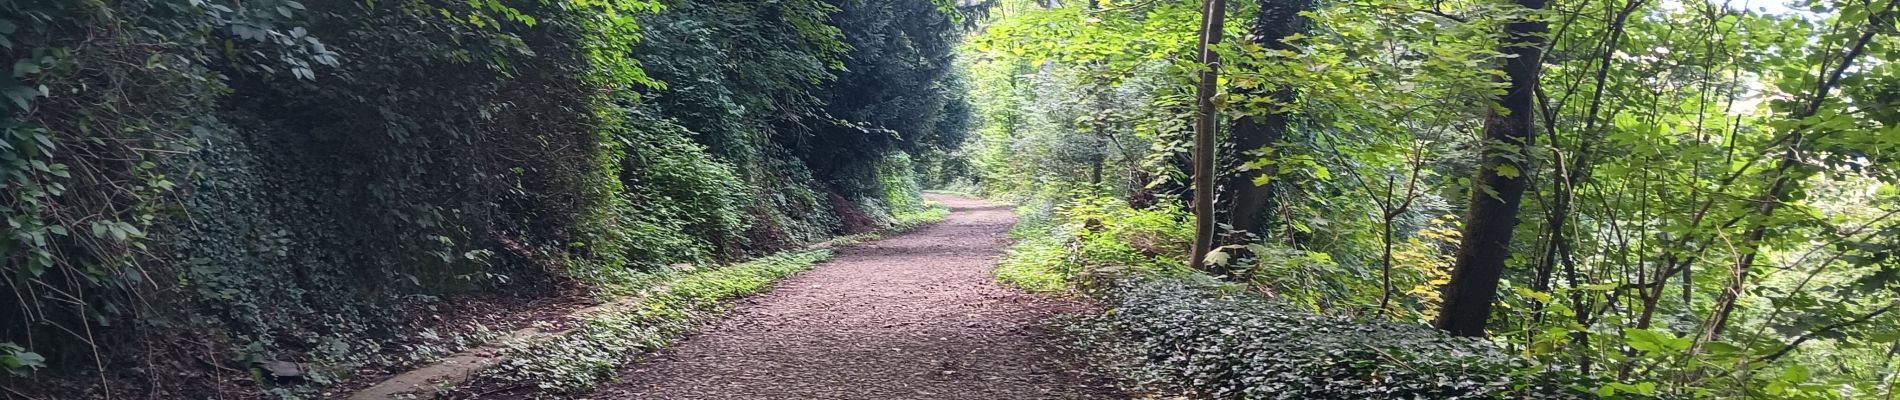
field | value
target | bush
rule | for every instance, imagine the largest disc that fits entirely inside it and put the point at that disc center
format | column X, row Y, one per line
column 1091, row 235
column 1035, row 263
column 1220, row 341
column 1038, row 258
column 682, row 204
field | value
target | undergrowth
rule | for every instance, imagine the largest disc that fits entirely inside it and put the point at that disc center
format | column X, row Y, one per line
column 1223, row 341
column 1056, row 245
column 1037, row 258
column 587, row 356
column 1166, row 329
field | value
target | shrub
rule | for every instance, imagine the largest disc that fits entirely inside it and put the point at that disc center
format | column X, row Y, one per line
column 671, row 181
column 1092, row 235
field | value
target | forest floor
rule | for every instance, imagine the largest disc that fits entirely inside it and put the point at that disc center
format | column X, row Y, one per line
column 914, row 316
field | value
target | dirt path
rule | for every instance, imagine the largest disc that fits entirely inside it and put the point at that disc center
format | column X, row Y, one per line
column 915, row 316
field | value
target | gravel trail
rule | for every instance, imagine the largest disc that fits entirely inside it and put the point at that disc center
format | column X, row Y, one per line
column 914, row 316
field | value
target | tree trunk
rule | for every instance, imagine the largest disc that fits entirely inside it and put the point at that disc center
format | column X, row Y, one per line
column 1095, row 170
column 1213, row 18
column 1100, row 127
column 1275, row 21
column 1492, row 214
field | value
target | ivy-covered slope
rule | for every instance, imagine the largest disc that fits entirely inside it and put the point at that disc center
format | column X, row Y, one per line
column 1198, row 336
column 300, row 180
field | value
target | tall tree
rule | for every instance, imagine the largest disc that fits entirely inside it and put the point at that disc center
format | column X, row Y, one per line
column 1213, row 20
column 1254, row 135
column 1492, row 213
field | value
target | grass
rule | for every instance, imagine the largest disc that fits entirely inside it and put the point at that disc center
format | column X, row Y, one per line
column 1032, row 277
column 932, row 212
column 1035, row 258
column 588, row 355
column 955, row 192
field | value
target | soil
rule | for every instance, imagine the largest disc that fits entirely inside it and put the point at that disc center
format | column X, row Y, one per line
column 915, row 316
column 850, row 215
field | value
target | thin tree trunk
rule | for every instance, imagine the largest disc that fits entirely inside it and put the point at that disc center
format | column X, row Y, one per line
column 1492, row 214
column 1572, row 171
column 1385, row 273
column 1095, row 171
column 1100, row 126
column 1213, row 19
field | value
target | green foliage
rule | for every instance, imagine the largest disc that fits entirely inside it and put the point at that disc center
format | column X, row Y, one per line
column 680, row 204
column 80, row 172
column 1704, row 173
column 1033, row 276
column 930, row 212
column 895, row 92
column 897, row 177
column 1037, row 259
column 19, row 362
column 1059, row 249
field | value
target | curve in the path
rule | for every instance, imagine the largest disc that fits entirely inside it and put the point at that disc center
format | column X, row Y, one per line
column 915, row 316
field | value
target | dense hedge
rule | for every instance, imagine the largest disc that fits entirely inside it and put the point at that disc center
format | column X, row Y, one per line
column 1226, row 342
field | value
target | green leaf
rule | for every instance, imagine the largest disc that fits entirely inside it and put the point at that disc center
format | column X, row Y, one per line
column 1654, row 341
column 1509, row 171
column 24, row 67
column 1795, row 374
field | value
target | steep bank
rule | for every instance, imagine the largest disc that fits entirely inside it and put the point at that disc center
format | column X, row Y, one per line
column 233, row 199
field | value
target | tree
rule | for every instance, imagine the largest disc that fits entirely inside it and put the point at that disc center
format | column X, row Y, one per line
column 1492, row 213
column 1213, row 19
column 1248, row 196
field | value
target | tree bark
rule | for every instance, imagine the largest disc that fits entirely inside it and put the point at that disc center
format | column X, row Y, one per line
column 1213, row 18
column 1275, row 21
column 1492, row 214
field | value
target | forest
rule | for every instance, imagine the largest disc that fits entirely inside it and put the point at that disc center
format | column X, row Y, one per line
column 1246, row 199
column 1677, row 199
